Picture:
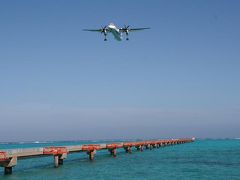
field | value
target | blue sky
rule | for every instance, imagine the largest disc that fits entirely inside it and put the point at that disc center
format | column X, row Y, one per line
column 178, row 79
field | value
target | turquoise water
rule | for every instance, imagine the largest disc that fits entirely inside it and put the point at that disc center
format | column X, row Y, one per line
column 203, row 159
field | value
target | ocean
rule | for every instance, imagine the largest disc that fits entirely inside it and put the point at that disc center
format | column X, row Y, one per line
column 202, row 159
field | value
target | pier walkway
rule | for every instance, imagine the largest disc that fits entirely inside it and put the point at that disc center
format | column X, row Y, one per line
column 9, row 158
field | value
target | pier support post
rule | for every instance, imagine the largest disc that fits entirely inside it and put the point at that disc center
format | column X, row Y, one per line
column 8, row 165
column 60, row 161
column 56, row 161
column 139, row 148
column 128, row 149
column 151, row 147
column 113, row 152
column 61, row 158
column 7, row 170
column 91, row 154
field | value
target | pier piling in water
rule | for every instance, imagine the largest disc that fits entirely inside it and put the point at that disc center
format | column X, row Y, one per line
column 7, row 170
column 128, row 149
column 112, row 148
column 113, row 152
column 8, row 158
column 8, row 164
column 56, row 161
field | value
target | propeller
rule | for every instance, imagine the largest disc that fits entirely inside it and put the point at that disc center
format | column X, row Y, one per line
column 104, row 30
column 126, row 29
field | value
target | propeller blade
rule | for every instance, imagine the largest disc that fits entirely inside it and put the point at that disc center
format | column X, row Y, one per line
column 103, row 29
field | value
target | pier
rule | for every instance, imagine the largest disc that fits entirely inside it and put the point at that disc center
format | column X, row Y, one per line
column 9, row 158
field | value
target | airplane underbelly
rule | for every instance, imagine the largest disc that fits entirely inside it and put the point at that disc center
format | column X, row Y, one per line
column 117, row 35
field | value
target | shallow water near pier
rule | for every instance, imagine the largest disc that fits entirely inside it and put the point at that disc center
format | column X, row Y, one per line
column 203, row 159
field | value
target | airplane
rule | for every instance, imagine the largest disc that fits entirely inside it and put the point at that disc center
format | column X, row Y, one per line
column 116, row 32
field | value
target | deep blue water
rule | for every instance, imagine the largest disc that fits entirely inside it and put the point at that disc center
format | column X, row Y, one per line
column 203, row 159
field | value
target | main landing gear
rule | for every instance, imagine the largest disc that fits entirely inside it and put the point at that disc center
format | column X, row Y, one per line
column 127, row 36
column 105, row 36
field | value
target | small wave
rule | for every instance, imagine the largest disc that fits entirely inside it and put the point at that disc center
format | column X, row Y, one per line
column 26, row 142
column 4, row 143
column 40, row 142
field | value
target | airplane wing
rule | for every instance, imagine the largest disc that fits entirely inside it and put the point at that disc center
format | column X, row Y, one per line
column 93, row 30
column 127, row 29
column 137, row 29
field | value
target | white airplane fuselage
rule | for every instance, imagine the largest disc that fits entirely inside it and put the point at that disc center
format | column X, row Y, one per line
column 115, row 32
